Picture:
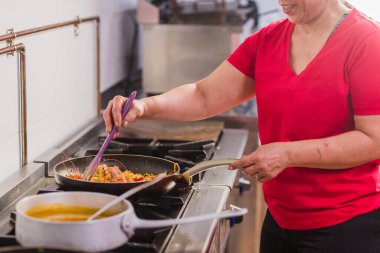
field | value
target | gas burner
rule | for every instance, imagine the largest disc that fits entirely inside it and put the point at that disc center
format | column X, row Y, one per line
column 186, row 154
column 162, row 207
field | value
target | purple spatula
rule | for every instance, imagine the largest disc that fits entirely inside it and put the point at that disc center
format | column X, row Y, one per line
column 87, row 175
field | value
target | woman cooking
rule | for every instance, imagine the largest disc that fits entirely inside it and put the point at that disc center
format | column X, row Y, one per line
column 317, row 82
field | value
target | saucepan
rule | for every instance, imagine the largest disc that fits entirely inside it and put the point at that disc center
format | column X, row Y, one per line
column 136, row 164
column 97, row 235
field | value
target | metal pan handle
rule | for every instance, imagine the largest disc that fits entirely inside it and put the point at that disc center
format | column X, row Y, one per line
column 125, row 195
column 140, row 223
column 204, row 166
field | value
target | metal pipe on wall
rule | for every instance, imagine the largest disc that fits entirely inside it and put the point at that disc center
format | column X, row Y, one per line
column 20, row 49
column 99, row 99
column 13, row 35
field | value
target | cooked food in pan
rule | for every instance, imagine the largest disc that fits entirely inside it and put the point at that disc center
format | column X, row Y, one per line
column 113, row 174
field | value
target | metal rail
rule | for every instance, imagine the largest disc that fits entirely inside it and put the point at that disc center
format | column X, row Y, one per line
column 13, row 35
column 20, row 49
column 77, row 21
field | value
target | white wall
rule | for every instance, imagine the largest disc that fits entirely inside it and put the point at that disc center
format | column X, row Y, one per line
column 61, row 71
column 270, row 11
column 369, row 7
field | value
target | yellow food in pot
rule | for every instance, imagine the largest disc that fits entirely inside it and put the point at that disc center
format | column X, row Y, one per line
column 61, row 212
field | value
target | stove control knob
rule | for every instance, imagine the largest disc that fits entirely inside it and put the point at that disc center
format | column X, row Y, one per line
column 235, row 219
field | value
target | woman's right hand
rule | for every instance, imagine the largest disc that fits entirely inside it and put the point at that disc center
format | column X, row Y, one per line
column 112, row 114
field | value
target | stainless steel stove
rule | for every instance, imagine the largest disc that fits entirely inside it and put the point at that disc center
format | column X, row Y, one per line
column 186, row 143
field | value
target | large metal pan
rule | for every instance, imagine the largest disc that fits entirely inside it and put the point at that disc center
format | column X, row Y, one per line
column 136, row 164
column 90, row 236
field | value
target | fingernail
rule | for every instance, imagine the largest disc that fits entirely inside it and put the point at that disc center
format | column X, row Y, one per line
column 108, row 129
column 125, row 124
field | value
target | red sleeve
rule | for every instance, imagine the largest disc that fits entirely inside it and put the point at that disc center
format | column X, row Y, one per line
column 244, row 57
column 363, row 73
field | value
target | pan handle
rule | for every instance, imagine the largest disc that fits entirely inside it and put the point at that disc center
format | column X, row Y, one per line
column 140, row 223
column 204, row 166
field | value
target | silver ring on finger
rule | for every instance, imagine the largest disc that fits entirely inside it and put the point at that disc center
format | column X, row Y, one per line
column 257, row 176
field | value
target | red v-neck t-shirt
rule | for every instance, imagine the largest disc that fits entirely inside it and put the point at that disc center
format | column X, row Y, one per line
column 341, row 81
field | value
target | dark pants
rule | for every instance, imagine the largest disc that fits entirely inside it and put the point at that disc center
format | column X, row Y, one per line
column 361, row 234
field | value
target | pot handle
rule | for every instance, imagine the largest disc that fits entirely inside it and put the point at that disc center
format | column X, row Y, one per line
column 140, row 223
column 202, row 166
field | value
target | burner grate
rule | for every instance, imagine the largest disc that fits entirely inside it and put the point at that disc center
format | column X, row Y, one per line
column 186, row 154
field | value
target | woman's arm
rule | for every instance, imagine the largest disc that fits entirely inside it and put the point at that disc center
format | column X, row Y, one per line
column 342, row 151
column 223, row 89
column 337, row 152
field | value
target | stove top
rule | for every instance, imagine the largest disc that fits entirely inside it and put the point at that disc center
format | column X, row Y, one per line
column 208, row 193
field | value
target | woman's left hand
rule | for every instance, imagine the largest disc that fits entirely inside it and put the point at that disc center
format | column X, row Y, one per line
column 266, row 162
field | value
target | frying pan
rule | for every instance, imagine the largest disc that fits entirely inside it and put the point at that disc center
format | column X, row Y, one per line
column 136, row 164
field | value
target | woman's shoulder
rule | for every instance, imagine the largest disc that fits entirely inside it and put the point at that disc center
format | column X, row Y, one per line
column 274, row 29
column 277, row 25
column 360, row 24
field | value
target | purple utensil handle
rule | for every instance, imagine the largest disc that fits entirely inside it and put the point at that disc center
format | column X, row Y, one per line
column 124, row 111
column 96, row 161
column 127, row 104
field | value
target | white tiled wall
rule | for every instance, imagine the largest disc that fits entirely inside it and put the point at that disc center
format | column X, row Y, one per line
column 61, row 71
column 9, row 145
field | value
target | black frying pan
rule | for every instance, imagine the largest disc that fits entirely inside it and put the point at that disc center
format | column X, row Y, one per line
column 136, row 164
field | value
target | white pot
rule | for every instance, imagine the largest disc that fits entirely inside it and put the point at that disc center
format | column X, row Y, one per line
column 91, row 236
